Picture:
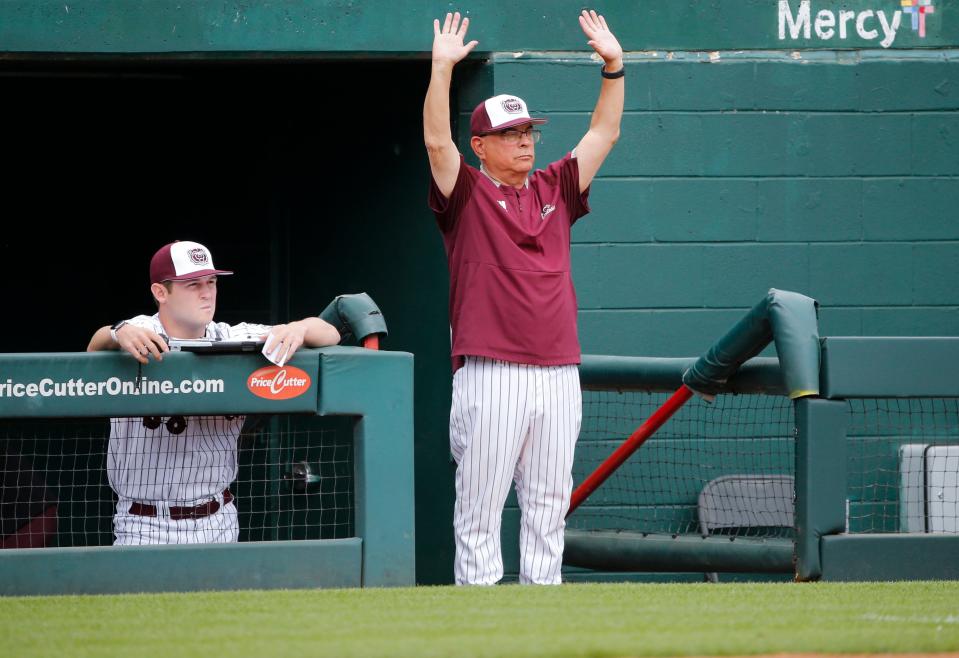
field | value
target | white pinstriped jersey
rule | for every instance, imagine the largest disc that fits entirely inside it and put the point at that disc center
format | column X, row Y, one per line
column 186, row 469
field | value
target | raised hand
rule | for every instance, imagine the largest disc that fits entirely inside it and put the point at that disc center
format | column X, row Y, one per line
column 448, row 46
column 602, row 39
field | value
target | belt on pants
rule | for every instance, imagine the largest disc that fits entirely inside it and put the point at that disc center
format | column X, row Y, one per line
column 181, row 513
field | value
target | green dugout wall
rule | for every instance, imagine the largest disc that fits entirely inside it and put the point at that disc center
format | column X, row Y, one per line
column 372, row 387
column 748, row 160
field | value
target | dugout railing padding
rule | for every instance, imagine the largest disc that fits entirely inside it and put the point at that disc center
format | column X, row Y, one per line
column 854, row 368
column 375, row 387
column 851, row 368
column 632, row 551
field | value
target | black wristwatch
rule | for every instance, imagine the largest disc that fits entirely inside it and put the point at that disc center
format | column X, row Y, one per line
column 615, row 74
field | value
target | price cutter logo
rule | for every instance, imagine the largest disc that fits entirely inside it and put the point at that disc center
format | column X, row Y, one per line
column 274, row 383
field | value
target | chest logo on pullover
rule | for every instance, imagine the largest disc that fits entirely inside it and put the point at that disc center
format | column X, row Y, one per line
column 502, row 202
column 547, row 209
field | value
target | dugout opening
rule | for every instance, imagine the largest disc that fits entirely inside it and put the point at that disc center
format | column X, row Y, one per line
column 307, row 177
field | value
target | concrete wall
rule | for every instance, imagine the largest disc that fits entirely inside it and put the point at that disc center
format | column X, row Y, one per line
column 833, row 174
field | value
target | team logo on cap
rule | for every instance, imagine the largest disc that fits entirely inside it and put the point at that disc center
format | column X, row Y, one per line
column 275, row 383
column 512, row 105
column 198, row 257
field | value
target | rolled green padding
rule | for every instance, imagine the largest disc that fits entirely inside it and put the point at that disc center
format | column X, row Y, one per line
column 355, row 317
column 609, row 550
column 789, row 319
column 795, row 322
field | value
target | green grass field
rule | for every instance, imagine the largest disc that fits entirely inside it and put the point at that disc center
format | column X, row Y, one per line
column 572, row 620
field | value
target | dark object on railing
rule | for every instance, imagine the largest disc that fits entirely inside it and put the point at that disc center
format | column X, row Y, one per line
column 356, row 317
column 789, row 319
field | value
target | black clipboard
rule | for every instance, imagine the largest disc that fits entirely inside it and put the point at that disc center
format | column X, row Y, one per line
column 212, row 346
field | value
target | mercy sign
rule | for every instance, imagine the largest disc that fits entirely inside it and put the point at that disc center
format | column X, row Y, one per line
column 868, row 24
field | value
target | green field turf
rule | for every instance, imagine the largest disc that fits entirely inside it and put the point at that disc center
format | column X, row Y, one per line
column 572, row 620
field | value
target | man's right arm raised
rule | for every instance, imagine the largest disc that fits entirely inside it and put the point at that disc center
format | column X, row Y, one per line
column 448, row 49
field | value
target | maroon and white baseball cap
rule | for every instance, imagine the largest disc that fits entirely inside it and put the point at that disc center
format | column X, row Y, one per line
column 499, row 113
column 181, row 261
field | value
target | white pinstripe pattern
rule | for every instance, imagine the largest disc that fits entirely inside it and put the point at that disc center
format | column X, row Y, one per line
column 219, row 528
column 187, row 469
column 156, row 467
column 518, row 422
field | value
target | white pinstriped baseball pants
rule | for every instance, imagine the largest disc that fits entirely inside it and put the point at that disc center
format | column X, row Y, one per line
column 519, row 423
column 221, row 527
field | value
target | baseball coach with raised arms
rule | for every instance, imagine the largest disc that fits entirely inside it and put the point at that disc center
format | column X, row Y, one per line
column 516, row 406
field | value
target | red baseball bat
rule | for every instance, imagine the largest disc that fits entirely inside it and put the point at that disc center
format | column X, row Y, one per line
column 636, row 439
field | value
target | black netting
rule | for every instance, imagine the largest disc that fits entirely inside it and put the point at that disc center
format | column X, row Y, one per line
column 739, row 450
column 903, row 465
column 289, row 478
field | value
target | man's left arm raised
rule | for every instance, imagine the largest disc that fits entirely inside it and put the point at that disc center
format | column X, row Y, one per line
column 608, row 113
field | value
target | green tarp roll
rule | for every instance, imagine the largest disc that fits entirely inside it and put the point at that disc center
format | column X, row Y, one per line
column 786, row 318
column 355, row 317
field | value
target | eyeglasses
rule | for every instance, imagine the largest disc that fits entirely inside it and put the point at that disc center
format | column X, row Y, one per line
column 514, row 136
